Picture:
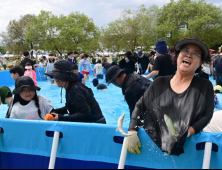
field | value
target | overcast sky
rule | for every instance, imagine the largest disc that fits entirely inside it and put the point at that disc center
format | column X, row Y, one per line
column 102, row 11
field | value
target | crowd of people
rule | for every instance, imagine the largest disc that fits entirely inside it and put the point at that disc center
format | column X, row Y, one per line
column 177, row 104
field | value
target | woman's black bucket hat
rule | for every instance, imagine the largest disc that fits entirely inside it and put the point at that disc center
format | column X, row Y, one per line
column 63, row 71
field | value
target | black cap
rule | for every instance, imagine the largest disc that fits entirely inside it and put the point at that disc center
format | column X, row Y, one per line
column 24, row 81
column 63, row 71
column 112, row 73
column 200, row 44
column 128, row 54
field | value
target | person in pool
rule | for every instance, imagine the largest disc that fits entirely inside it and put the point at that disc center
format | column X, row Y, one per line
column 26, row 103
column 85, row 65
column 133, row 86
column 184, row 99
column 80, row 102
column 16, row 72
column 99, row 86
column 5, row 95
column 81, row 76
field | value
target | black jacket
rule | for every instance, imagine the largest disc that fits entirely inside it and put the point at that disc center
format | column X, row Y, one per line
column 129, row 68
column 81, row 106
column 133, row 88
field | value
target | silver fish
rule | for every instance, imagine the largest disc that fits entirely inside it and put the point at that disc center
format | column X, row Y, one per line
column 120, row 125
column 170, row 125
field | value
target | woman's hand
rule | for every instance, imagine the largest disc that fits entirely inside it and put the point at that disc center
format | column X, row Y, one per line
column 56, row 116
column 191, row 131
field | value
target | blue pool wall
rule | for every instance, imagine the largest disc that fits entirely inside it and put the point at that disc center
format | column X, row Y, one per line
column 5, row 76
column 25, row 144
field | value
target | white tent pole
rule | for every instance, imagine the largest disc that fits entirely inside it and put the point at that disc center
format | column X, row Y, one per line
column 123, row 156
column 54, row 150
column 207, row 155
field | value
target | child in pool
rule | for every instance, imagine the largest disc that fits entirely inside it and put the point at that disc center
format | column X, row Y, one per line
column 27, row 104
column 16, row 72
column 30, row 73
column 85, row 66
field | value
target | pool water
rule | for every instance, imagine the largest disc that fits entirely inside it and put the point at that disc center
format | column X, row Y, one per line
column 111, row 100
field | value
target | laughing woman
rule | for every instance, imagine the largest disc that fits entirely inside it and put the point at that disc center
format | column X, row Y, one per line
column 175, row 107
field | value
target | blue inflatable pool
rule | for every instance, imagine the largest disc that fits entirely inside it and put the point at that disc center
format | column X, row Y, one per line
column 28, row 144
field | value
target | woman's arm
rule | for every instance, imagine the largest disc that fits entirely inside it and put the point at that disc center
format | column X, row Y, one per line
column 80, row 106
column 61, row 111
column 208, row 114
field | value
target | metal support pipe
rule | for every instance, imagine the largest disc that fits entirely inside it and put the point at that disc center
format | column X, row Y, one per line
column 207, row 155
column 54, row 150
column 123, row 156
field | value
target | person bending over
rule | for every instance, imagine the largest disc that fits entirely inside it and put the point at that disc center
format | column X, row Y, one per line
column 26, row 103
column 128, row 63
column 16, row 72
column 81, row 105
column 133, row 86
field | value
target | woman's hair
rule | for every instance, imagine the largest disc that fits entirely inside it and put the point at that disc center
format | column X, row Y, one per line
column 171, row 50
column 36, row 99
column 206, row 60
column 18, row 98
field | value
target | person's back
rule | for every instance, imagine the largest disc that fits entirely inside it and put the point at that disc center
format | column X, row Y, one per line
column 129, row 68
column 134, row 86
column 27, row 60
column 164, row 65
column 217, row 66
column 99, row 69
column 78, row 93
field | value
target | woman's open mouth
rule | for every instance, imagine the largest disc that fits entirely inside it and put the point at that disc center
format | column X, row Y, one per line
column 186, row 62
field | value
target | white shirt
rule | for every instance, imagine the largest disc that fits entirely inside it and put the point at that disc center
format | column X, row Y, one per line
column 30, row 111
column 99, row 69
column 206, row 68
column 85, row 64
column 215, row 124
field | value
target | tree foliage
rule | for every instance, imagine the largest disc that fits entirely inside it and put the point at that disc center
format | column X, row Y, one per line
column 14, row 37
column 60, row 34
column 189, row 18
column 132, row 29
column 2, row 50
column 174, row 21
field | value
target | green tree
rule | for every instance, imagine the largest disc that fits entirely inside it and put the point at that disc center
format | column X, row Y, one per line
column 134, row 28
column 190, row 18
column 64, row 33
column 2, row 50
column 14, row 37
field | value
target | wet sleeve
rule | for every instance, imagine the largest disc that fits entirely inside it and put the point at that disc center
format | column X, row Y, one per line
column 131, row 101
column 134, row 121
column 80, row 104
column 209, row 110
column 140, row 108
column 156, row 66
